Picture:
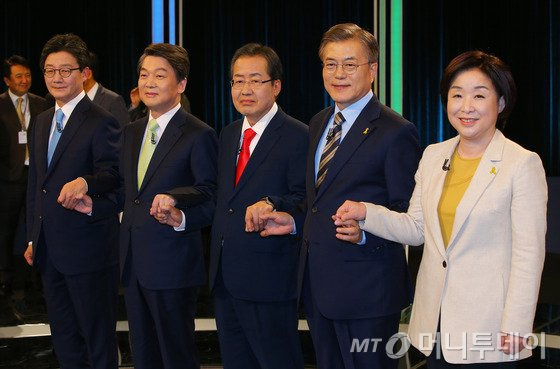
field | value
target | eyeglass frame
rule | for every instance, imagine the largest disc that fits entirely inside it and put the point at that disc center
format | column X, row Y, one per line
column 342, row 65
column 54, row 70
column 251, row 82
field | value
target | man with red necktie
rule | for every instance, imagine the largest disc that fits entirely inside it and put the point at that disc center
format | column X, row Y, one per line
column 261, row 166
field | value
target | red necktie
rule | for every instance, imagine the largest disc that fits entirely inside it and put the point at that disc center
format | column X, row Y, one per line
column 244, row 155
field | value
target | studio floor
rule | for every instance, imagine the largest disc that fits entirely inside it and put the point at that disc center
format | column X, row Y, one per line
column 25, row 340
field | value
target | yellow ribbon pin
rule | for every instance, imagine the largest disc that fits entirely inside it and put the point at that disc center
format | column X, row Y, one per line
column 493, row 171
column 366, row 131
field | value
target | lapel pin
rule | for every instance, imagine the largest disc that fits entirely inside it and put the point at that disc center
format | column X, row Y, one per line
column 493, row 170
column 366, row 131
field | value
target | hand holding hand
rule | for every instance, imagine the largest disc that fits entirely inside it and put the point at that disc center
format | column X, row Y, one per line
column 69, row 192
column 351, row 210
column 253, row 222
column 84, row 204
column 164, row 211
column 348, row 230
column 277, row 223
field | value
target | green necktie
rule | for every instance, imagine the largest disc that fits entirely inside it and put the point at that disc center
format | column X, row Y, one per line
column 147, row 150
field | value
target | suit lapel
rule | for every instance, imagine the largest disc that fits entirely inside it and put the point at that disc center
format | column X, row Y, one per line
column 72, row 126
column 265, row 144
column 98, row 98
column 487, row 170
column 170, row 136
column 9, row 111
column 363, row 127
column 435, row 190
column 33, row 106
column 42, row 141
column 137, row 134
column 230, row 147
column 314, row 137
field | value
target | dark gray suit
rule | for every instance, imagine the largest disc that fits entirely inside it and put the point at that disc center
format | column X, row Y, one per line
column 113, row 103
column 13, row 175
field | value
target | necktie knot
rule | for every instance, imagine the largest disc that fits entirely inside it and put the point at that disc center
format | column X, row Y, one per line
column 19, row 102
column 339, row 119
column 153, row 125
column 244, row 154
column 152, row 128
column 248, row 135
column 59, row 117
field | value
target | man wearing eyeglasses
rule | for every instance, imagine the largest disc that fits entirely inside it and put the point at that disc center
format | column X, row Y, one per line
column 354, row 284
column 74, row 152
column 261, row 167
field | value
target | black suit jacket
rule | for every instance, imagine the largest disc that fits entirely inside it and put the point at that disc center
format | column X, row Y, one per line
column 113, row 103
column 12, row 153
column 256, row 268
column 375, row 162
column 184, row 161
column 88, row 148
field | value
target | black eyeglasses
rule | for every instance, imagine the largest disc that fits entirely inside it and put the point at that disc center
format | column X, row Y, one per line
column 64, row 72
column 238, row 84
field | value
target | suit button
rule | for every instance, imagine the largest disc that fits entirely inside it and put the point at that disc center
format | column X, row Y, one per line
column 40, row 217
column 314, row 209
column 444, row 264
column 136, row 201
column 230, row 211
column 44, row 190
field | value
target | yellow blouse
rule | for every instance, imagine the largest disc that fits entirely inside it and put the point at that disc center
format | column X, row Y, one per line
column 456, row 183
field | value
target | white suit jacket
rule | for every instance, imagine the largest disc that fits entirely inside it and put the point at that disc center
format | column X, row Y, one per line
column 487, row 280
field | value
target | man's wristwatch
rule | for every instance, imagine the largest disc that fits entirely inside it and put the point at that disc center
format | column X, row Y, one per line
column 268, row 201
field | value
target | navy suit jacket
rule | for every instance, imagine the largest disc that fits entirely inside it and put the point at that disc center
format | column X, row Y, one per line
column 113, row 103
column 88, row 148
column 375, row 162
column 256, row 268
column 12, row 153
column 184, row 159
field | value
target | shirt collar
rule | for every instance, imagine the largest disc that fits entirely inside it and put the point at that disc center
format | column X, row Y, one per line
column 260, row 126
column 14, row 97
column 352, row 111
column 163, row 120
column 68, row 108
column 92, row 91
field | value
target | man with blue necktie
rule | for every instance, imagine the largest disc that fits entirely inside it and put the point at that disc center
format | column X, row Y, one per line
column 353, row 284
column 74, row 153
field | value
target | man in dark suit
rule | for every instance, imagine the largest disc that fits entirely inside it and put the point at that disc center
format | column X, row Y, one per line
column 261, row 168
column 74, row 152
column 102, row 96
column 354, row 285
column 18, row 110
column 168, row 159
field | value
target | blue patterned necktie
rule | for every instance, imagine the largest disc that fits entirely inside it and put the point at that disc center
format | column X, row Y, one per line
column 333, row 140
column 59, row 116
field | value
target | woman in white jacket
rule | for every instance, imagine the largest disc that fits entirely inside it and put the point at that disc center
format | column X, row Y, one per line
column 479, row 208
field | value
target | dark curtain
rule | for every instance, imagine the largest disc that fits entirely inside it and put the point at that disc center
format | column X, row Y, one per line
column 117, row 31
column 525, row 34
column 214, row 29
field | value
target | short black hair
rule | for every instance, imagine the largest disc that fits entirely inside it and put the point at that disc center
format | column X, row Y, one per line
column 70, row 43
column 254, row 49
column 93, row 63
column 494, row 68
column 175, row 55
column 11, row 61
